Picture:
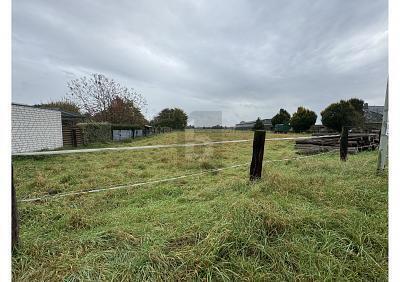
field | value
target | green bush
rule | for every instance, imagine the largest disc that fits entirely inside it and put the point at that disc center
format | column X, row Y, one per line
column 283, row 117
column 343, row 113
column 125, row 127
column 258, row 125
column 175, row 118
column 95, row 132
column 303, row 119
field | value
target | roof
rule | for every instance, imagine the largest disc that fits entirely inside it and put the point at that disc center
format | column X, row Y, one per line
column 251, row 123
column 376, row 109
column 65, row 114
column 373, row 114
column 30, row 106
column 372, row 117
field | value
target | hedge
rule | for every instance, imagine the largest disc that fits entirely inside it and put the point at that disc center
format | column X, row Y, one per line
column 101, row 132
column 125, row 127
column 95, row 132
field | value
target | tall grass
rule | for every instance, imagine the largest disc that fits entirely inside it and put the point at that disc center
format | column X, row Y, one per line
column 311, row 219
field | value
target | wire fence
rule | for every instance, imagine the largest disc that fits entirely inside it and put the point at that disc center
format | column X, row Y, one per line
column 63, row 152
column 174, row 178
column 169, row 179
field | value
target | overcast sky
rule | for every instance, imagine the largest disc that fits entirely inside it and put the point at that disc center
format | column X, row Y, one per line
column 243, row 58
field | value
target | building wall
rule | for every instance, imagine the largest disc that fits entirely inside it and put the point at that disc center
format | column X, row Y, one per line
column 122, row 134
column 35, row 129
column 250, row 124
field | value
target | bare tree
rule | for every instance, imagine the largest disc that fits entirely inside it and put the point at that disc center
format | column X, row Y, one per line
column 96, row 93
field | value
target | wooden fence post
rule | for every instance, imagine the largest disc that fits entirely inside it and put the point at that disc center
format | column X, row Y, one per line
column 14, row 214
column 344, row 143
column 258, row 154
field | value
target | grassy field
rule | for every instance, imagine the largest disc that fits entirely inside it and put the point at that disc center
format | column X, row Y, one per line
column 179, row 137
column 310, row 219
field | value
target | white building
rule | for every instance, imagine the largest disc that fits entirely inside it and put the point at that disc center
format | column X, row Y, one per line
column 35, row 129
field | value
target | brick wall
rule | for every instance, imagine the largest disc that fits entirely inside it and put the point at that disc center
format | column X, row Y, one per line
column 35, row 129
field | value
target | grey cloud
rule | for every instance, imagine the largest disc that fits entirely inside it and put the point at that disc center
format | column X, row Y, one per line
column 244, row 58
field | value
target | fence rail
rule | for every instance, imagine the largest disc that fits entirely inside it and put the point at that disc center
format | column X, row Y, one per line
column 169, row 179
column 62, row 152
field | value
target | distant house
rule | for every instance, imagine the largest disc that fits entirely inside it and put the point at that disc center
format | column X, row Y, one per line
column 373, row 116
column 248, row 125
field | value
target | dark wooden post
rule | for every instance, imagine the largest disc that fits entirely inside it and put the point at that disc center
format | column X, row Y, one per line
column 344, row 143
column 258, row 154
column 14, row 215
column 74, row 140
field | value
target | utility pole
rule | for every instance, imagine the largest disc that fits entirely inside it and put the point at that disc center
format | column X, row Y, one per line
column 383, row 142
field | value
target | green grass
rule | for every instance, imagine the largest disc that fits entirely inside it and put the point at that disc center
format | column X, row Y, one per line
column 310, row 219
column 178, row 137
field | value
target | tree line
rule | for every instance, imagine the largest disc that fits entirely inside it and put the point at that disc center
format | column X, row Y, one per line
column 335, row 116
column 102, row 99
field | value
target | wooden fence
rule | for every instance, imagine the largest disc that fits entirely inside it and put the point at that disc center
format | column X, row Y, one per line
column 72, row 136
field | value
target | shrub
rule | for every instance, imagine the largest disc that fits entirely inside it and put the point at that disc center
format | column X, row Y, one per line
column 344, row 113
column 303, row 119
column 175, row 118
column 93, row 132
column 283, row 117
column 258, row 125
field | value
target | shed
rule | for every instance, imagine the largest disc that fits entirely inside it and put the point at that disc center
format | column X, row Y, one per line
column 34, row 129
column 148, row 130
column 72, row 134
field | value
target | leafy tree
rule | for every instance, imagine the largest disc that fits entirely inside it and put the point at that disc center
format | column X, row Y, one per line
column 62, row 105
column 122, row 111
column 357, row 104
column 282, row 117
column 175, row 118
column 96, row 93
column 337, row 115
column 258, row 125
column 303, row 119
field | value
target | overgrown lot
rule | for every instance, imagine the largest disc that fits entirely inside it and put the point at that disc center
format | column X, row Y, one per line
column 178, row 137
column 315, row 218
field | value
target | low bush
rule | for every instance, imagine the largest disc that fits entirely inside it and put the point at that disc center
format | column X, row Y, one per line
column 95, row 132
